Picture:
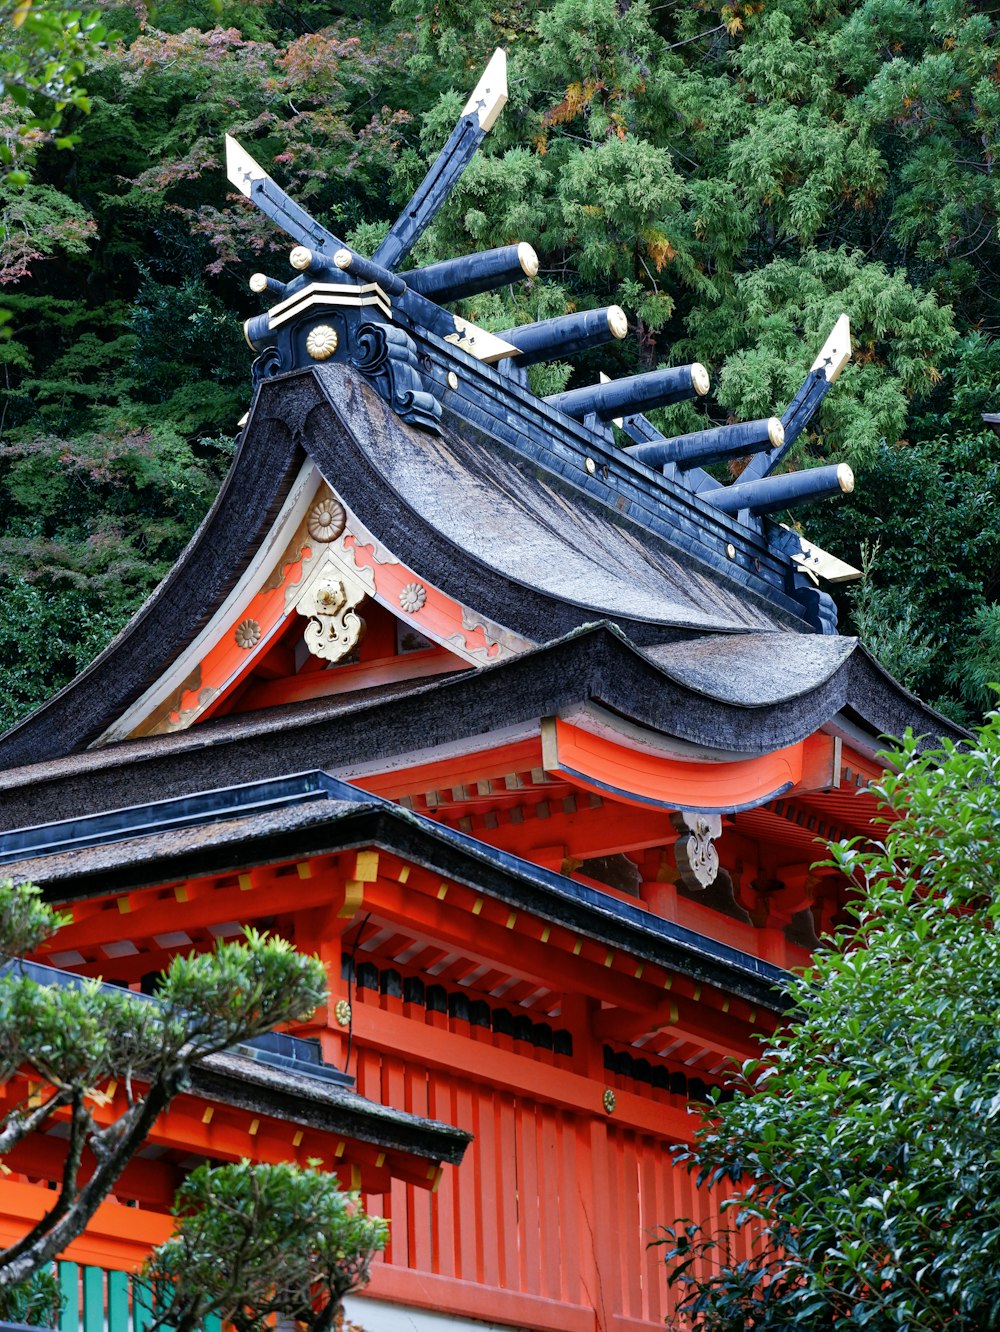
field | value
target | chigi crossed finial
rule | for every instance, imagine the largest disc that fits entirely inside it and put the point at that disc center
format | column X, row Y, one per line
column 343, row 306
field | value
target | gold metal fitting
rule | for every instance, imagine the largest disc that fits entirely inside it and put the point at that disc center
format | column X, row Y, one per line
column 247, row 634
column 775, row 432
column 528, row 259
column 617, row 321
column 452, row 380
column 342, row 1012
column 343, row 258
column 610, row 1100
column 730, row 550
column 700, row 381
column 845, row 478
column 301, row 257
column 321, row 342
column 591, row 467
column 258, row 283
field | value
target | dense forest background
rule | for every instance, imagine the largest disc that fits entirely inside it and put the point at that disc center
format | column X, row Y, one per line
column 735, row 176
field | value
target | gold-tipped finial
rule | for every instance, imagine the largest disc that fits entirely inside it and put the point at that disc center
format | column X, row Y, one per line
column 300, row 257
column 775, row 432
column 528, row 259
column 845, row 478
column 700, row 381
column 617, row 321
column 258, row 283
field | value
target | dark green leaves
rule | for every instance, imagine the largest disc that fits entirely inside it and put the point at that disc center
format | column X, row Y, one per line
column 868, row 1162
column 77, row 1044
column 255, row 1241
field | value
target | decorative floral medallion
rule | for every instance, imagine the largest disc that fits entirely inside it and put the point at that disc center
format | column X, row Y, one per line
column 321, row 342
column 342, row 1012
column 609, row 1100
column 413, row 597
column 247, row 634
column 327, row 519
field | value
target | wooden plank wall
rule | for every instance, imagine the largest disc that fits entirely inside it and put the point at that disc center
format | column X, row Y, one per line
column 554, row 1204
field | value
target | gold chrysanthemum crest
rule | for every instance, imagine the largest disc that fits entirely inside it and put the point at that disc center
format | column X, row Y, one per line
column 321, row 342
column 327, row 519
column 413, row 597
column 247, row 634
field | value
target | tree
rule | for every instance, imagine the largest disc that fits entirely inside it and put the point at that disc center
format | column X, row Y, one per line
column 734, row 174
column 255, row 1242
column 72, row 1040
column 42, row 59
column 862, row 1149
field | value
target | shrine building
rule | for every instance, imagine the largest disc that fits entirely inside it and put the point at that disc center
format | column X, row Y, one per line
column 512, row 710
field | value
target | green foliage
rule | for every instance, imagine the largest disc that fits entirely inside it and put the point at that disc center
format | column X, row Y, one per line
column 735, row 175
column 779, row 318
column 258, row 1241
column 25, row 920
column 43, row 57
column 976, row 667
column 75, row 1039
column 933, row 506
column 863, row 1146
column 37, row 1301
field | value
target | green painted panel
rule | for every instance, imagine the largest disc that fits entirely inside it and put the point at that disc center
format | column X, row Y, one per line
column 93, row 1299
column 142, row 1311
column 118, row 1302
column 69, row 1288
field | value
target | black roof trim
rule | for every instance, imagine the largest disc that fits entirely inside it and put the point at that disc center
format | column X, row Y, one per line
column 343, row 817
column 284, row 1078
column 594, row 663
column 191, row 811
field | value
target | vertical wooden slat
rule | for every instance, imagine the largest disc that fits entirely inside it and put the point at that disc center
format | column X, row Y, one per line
column 633, row 1257
column 598, row 1218
column 118, row 1302
column 551, row 1204
column 93, row 1299
column 487, row 1194
column 69, row 1290
column 444, row 1214
column 394, row 1093
column 507, row 1183
column 609, row 1212
column 526, row 1130
column 651, row 1216
column 142, row 1313
column 419, row 1201
column 569, row 1211
column 468, row 1235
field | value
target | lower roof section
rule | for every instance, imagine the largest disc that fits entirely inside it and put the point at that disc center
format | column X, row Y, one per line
column 668, row 692
column 337, row 817
column 300, row 1090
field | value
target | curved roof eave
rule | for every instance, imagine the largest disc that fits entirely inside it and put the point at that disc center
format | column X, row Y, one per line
column 572, row 559
column 595, row 663
column 351, row 819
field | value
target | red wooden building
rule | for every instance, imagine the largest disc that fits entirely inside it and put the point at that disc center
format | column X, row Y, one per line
column 530, row 732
